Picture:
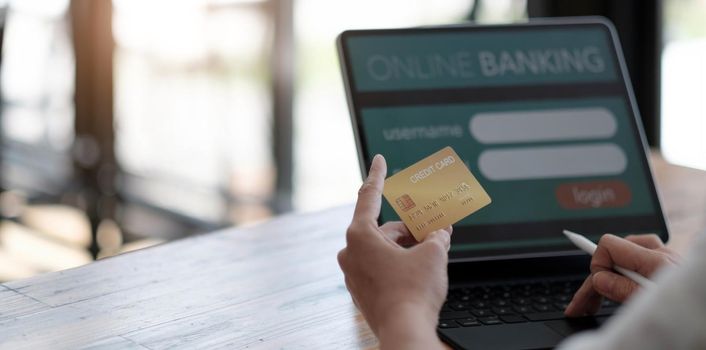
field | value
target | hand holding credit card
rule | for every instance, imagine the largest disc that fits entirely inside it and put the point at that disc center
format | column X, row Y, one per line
column 434, row 193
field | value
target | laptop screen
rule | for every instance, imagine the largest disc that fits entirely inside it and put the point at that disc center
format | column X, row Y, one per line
column 540, row 113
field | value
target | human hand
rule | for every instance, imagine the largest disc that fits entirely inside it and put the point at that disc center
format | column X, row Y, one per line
column 398, row 290
column 644, row 254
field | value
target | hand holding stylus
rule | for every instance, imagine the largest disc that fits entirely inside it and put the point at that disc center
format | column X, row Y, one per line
column 589, row 247
column 637, row 255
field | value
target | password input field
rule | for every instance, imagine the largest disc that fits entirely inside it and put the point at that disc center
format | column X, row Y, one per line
column 568, row 124
column 531, row 163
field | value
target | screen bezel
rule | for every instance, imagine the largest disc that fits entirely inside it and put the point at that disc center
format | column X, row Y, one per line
column 573, row 22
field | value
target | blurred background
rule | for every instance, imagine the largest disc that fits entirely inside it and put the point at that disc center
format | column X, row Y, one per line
column 128, row 123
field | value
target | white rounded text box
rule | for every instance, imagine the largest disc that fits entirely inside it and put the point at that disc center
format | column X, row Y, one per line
column 531, row 163
column 543, row 125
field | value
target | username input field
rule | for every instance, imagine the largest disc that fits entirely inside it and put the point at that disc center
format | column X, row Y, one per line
column 532, row 163
column 567, row 124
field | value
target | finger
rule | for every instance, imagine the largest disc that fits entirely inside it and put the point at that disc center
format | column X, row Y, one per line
column 349, row 286
column 398, row 233
column 403, row 237
column 652, row 241
column 673, row 256
column 613, row 250
column 367, row 208
column 649, row 241
column 342, row 259
column 440, row 239
column 585, row 301
column 614, row 286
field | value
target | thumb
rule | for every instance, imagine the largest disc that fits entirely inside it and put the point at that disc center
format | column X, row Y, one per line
column 613, row 286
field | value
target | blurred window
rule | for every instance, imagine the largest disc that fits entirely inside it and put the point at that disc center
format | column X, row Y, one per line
column 193, row 106
column 37, row 97
column 684, row 82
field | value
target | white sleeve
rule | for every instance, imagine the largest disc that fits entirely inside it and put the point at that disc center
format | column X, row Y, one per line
column 670, row 316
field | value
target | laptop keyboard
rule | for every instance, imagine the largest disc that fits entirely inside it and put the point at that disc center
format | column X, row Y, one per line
column 511, row 303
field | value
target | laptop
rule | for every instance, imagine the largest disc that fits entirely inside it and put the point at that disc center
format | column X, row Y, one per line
column 544, row 116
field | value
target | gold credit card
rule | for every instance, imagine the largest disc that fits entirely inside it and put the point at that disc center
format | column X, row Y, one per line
column 434, row 193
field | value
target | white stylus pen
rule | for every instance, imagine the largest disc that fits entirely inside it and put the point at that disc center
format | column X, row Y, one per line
column 589, row 247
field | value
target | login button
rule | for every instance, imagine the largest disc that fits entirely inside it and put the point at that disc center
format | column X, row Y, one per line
column 593, row 194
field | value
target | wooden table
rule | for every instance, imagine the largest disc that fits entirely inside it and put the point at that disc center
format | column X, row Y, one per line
column 276, row 285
